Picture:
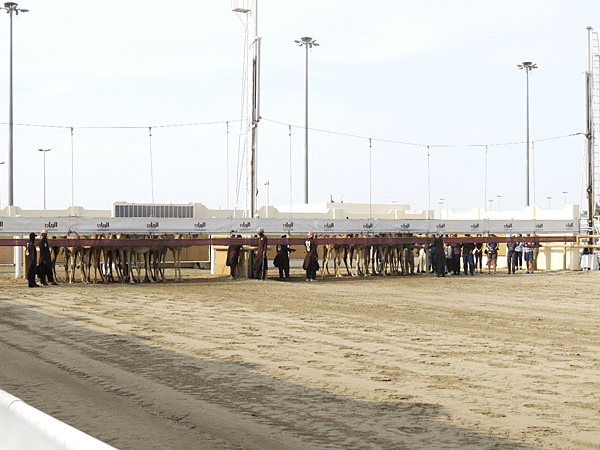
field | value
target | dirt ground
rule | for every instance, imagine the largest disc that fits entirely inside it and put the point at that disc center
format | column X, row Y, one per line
column 484, row 362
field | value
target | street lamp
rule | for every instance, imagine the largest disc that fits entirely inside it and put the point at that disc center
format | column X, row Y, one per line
column 11, row 8
column 491, row 203
column 441, row 206
column 44, row 151
column 528, row 66
column 499, row 197
column 307, row 42
column 565, row 192
column 549, row 198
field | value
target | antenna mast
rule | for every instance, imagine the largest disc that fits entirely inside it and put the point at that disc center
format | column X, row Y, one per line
column 592, row 87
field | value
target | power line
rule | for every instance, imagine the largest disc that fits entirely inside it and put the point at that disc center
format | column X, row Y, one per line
column 122, row 127
column 417, row 144
column 338, row 133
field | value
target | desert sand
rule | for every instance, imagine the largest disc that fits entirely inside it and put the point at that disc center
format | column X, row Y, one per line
column 466, row 362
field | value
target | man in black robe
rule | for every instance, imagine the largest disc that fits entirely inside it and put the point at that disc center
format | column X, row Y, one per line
column 233, row 256
column 438, row 243
column 282, row 259
column 31, row 260
column 311, row 260
column 46, row 261
column 259, row 268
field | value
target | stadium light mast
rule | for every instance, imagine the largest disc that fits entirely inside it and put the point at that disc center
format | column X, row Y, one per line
column 308, row 43
column 11, row 7
column 528, row 67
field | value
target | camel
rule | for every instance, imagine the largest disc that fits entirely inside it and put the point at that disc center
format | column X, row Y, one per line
column 337, row 252
column 55, row 252
column 382, row 256
column 72, row 253
column 362, row 252
column 91, row 256
column 157, row 257
column 176, row 251
column 138, row 256
column 111, row 264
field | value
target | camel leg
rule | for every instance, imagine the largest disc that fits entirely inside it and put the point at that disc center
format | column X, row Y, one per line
column 67, row 259
column 325, row 265
column 147, row 269
column 336, row 262
column 177, row 262
column 72, row 265
column 54, row 256
column 161, row 263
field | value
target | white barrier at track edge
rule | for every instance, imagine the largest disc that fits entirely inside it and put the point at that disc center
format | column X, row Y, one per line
column 24, row 427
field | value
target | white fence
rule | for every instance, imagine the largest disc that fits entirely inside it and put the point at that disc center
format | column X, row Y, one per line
column 89, row 225
column 24, row 427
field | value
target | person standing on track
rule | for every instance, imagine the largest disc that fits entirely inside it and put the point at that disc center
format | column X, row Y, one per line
column 528, row 255
column 311, row 260
column 46, row 261
column 440, row 263
column 233, row 256
column 260, row 260
column 492, row 254
column 467, row 256
column 31, row 260
column 478, row 255
column 282, row 259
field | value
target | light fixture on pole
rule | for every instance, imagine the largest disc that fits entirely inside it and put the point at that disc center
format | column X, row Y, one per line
column 565, row 192
column 307, row 42
column 11, row 7
column 491, row 203
column 549, row 198
column 44, row 151
column 528, row 66
column 499, row 197
column 441, row 206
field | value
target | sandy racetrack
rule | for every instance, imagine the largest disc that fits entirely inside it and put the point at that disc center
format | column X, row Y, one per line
column 483, row 362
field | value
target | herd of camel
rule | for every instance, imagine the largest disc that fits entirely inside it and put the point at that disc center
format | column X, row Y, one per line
column 118, row 263
column 364, row 260
column 139, row 263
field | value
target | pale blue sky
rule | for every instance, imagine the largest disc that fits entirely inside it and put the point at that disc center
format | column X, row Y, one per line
column 427, row 72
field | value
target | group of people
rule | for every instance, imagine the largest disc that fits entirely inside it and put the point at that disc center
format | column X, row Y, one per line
column 445, row 258
column 281, row 261
column 43, row 268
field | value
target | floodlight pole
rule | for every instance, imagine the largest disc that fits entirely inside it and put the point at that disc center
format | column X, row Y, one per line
column 11, row 8
column 528, row 66
column 307, row 42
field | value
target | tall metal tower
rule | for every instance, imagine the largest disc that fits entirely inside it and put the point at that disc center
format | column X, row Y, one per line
column 592, row 152
column 246, row 190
